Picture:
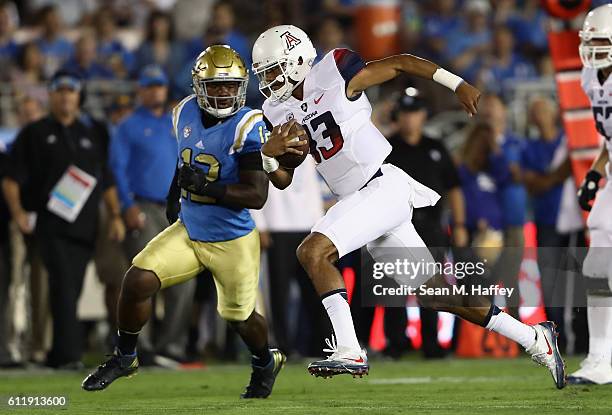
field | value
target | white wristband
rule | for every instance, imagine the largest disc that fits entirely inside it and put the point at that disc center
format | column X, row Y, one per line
column 270, row 164
column 446, row 78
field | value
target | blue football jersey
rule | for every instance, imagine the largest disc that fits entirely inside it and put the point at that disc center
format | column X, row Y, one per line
column 215, row 150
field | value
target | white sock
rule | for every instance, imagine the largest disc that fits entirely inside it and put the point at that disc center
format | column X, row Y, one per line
column 599, row 315
column 339, row 313
column 508, row 326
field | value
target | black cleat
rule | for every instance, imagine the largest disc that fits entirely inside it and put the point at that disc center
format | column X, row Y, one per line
column 262, row 378
column 115, row 367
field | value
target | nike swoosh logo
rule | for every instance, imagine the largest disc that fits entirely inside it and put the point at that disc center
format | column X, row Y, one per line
column 360, row 360
column 549, row 352
column 316, row 101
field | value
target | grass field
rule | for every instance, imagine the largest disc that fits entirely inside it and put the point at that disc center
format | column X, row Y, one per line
column 408, row 387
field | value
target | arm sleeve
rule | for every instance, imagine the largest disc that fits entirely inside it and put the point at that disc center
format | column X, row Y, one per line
column 119, row 158
column 348, row 62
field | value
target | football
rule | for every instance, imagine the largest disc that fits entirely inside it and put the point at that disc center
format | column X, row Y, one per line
column 290, row 160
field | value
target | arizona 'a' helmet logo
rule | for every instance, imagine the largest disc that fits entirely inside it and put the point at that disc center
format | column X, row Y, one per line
column 290, row 40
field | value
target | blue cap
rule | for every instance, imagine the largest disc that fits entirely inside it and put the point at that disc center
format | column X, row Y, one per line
column 65, row 79
column 152, row 75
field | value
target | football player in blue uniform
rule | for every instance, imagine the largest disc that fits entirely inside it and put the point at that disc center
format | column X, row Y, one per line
column 220, row 177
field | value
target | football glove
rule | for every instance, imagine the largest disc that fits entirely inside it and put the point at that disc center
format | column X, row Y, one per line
column 192, row 179
column 588, row 189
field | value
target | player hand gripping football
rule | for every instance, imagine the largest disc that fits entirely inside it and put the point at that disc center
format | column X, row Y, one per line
column 280, row 140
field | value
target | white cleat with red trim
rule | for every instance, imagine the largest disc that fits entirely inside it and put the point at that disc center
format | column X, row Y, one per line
column 546, row 352
column 342, row 360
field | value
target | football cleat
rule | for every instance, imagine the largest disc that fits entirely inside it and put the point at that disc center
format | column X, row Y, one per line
column 115, row 367
column 592, row 372
column 262, row 378
column 342, row 360
column 546, row 352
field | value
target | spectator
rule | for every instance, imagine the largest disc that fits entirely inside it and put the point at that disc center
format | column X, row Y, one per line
column 29, row 111
column 329, row 36
column 467, row 45
column 504, row 64
column 428, row 162
column 281, row 232
column 110, row 52
column 72, row 12
column 529, row 26
column 159, row 46
column 8, row 46
column 41, row 156
column 120, row 108
column 55, row 48
column 513, row 195
column 483, row 172
column 85, row 62
column 28, row 77
column 546, row 167
column 6, row 358
column 222, row 30
column 143, row 159
column 438, row 26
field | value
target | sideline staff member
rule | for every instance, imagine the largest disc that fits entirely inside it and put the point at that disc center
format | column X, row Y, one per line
column 428, row 161
column 40, row 157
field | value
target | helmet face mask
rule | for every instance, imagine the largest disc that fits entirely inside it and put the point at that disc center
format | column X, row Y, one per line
column 274, row 81
column 217, row 105
column 596, row 53
column 219, row 81
column 282, row 57
column 596, row 38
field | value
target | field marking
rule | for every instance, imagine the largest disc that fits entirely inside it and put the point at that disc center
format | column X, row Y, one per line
column 415, row 380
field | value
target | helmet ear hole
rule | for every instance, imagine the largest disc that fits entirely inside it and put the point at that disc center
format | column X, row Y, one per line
column 300, row 60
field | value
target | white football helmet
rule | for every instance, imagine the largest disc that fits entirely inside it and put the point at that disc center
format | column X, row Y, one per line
column 597, row 26
column 284, row 51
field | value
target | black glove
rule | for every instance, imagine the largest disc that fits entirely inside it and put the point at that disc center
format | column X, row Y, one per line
column 192, row 179
column 589, row 188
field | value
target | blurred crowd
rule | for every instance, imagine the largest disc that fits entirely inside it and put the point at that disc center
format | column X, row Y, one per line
column 139, row 54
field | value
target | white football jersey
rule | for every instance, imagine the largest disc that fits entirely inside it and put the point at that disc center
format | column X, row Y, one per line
column 345, row 144
column 601, row 103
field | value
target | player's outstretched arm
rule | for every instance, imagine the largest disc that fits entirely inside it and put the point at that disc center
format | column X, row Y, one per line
column 280, row 142
column 380, row 71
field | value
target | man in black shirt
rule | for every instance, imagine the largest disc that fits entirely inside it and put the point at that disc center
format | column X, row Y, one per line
column 427, row 161
column 39, row 158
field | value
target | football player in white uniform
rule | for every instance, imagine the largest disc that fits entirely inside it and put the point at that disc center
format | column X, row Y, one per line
column 596, row 55
column 375, row 199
